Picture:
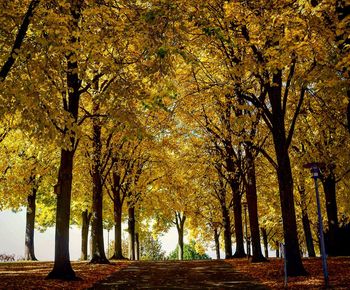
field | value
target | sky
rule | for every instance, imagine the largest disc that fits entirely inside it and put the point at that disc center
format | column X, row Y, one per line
column 12, row 228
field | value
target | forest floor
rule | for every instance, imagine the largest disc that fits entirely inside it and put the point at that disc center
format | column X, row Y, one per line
column 31, row 275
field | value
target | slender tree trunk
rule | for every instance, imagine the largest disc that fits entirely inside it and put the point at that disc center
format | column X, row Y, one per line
column 98, row 252
column 306, row 223
column 86, row 216
column 62, row 268
column 180, row 225
column 137, row 246
column 329, row 187
column 227, row 230
column 237, row 215
column 30, row 224
column 266, row 245
column 217, row 243
column 252, row 201
column 131, row 232
column 285, row 180
column 348, row 109
column 277, row 249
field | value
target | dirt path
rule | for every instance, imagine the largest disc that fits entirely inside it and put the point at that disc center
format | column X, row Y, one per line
column 178, row 275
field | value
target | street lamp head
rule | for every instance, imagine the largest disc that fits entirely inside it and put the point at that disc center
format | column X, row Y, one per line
column 315, row 168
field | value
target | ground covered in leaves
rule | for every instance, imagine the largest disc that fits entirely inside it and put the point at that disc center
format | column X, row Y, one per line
column 31, row 275
column 271, row 273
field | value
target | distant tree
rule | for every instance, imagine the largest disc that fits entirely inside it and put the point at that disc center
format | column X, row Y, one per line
column 190, row 253
column 151, row 249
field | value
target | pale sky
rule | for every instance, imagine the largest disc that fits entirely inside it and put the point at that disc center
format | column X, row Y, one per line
column 12, row 227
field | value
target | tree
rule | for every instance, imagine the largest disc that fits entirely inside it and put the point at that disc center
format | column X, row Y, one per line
column 151, row 248
column 62, row 268
column 190, row 253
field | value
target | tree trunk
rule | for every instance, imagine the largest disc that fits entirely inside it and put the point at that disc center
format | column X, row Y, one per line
column 98, row 252
column 137, row 246
column 217, row 243
column 306, row 223
column 86, row 216
column 131, row 231
column 30, row 224
column 180, row 224
column 237, row 214
column 285, row 180
column 277, row 249
column 329, row 187
column 348, row 110
column 118, row 252
column 252, row 201
column 62, row 268
column 227, row 230
column 266, row 245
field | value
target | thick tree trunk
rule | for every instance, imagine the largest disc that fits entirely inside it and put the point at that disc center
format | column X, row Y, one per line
column 266, row 245
column 237, row 215
column 285, row 180
column 217, row 243
column 30, row 224
column 306, row 223
column 329, row 187
column 180, row 225
column 62, row 268
column 118, row 252
column 227, row 231
column 252, row 201
column 86, row 216
column 131, row 232
column 98, row 252
column 118, row 210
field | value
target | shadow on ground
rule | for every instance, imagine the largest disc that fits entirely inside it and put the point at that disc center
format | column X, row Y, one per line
column 208, row 274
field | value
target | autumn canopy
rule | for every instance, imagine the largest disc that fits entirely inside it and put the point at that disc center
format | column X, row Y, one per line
column 198, row 114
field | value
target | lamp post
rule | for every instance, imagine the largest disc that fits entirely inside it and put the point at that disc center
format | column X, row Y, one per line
column 245, row 206
column 315, row 170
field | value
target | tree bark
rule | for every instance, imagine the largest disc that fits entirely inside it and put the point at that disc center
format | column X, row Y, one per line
column 285, row 179
column 217, row 243
column 30, row 224
column 19, row 40
column 306, row 224
column 118, row 201
column 137, row 246
column 62, row 268
column 266, row 245
column 227, row 230
column 180, row 224
column 131, row 232
column 252, row 201
column 98, row 252
column 277, row 249
column 329, row 187
column 237, row 215
column 86, row 216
